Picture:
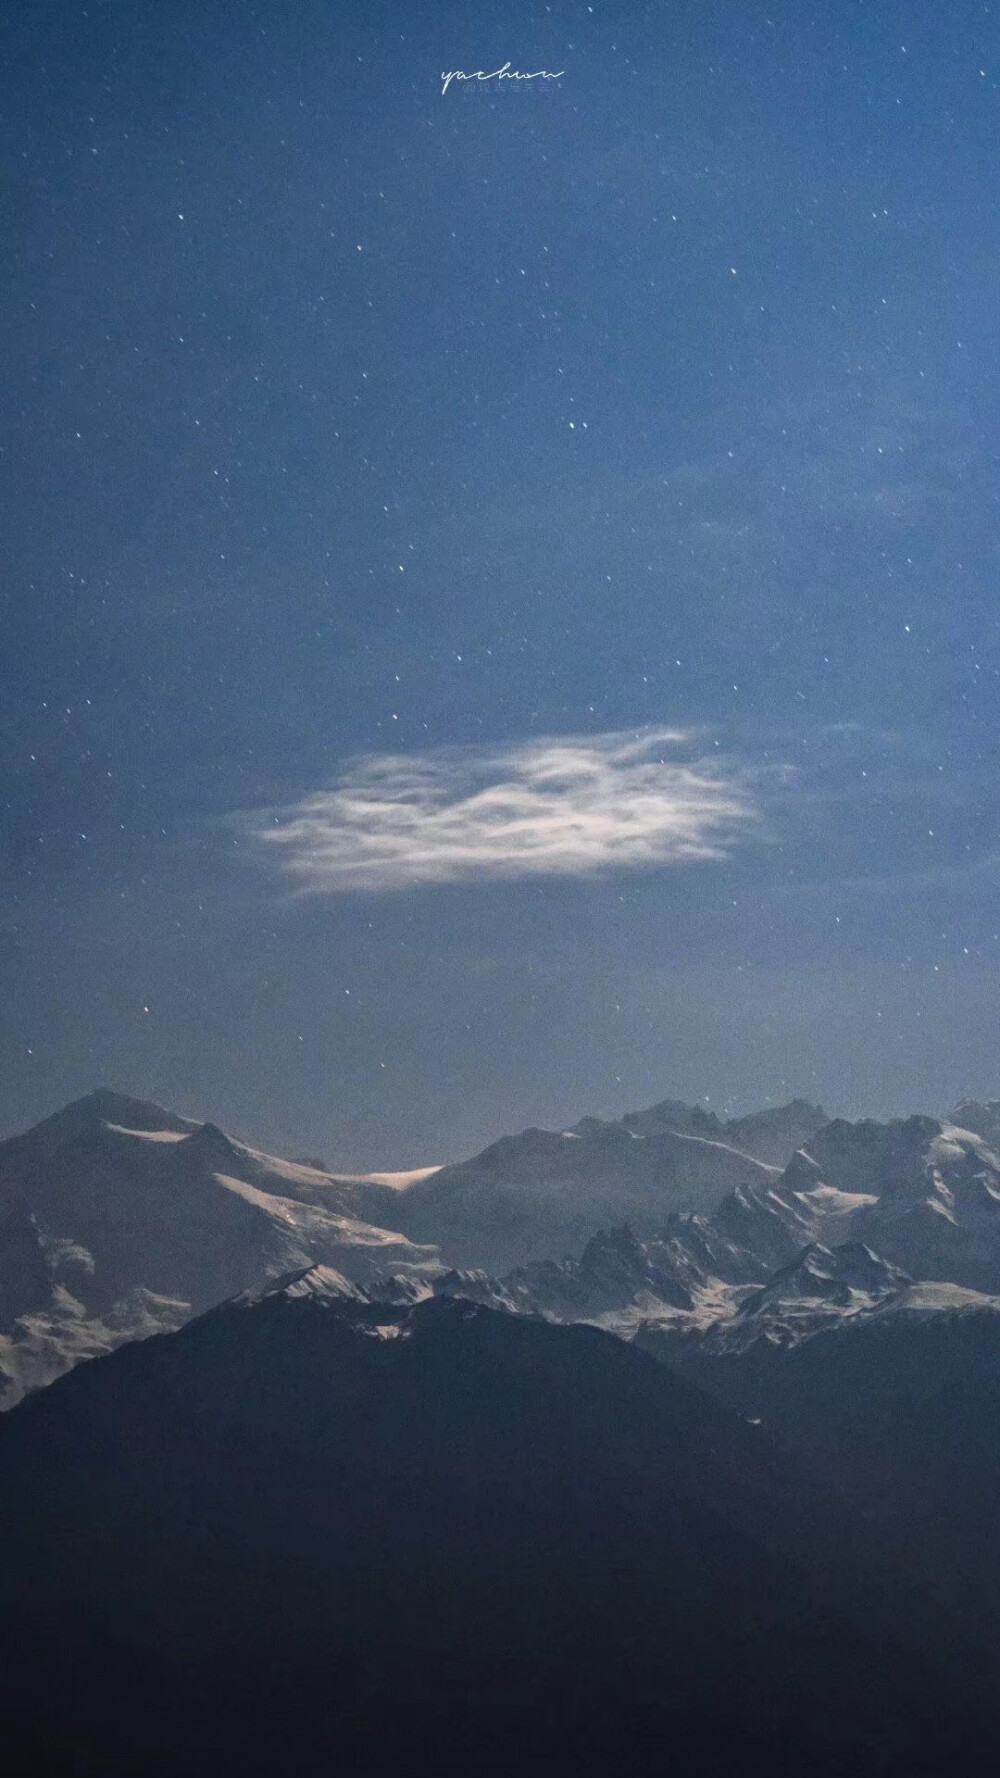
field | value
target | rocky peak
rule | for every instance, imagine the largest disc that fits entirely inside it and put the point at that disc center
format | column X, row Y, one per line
column 210, row 1146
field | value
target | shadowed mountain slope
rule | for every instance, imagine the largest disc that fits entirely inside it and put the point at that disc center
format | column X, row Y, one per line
column 303, row 1497
column 899, row 1411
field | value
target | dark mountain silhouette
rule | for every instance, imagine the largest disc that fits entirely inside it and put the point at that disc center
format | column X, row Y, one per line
column 898, row 1411
column 338, row 1535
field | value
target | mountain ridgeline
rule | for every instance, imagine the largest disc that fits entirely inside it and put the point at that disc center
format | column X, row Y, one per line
column 659, row 1445
column 306, row 1522
column 119, row 1219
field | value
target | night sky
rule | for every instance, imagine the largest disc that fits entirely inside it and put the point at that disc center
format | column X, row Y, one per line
column 499, row 613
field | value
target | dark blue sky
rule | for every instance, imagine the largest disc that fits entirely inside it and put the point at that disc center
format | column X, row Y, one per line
column 344, row 419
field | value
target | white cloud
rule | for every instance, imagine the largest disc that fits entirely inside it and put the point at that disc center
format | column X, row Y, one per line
column 569, row 806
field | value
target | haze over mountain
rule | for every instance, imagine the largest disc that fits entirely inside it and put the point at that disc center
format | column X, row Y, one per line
column 290, row 1521
column 545, row 1193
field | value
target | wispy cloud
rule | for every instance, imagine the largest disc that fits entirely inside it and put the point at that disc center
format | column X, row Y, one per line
column 565, row 806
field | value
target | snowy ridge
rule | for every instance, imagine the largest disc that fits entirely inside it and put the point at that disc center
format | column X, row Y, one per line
column 119, row 1218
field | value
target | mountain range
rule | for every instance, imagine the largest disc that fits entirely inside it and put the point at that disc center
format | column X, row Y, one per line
column 864, row 1219
column 119, row 1219
column 623, row 1446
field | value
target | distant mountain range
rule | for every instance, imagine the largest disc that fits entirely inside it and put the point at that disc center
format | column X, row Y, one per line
column 544, row 1193
column 119, row 1219
column 860, row 1217
column 771, row 1136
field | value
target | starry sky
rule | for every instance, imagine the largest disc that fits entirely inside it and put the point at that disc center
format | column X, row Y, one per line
column 499, row 613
